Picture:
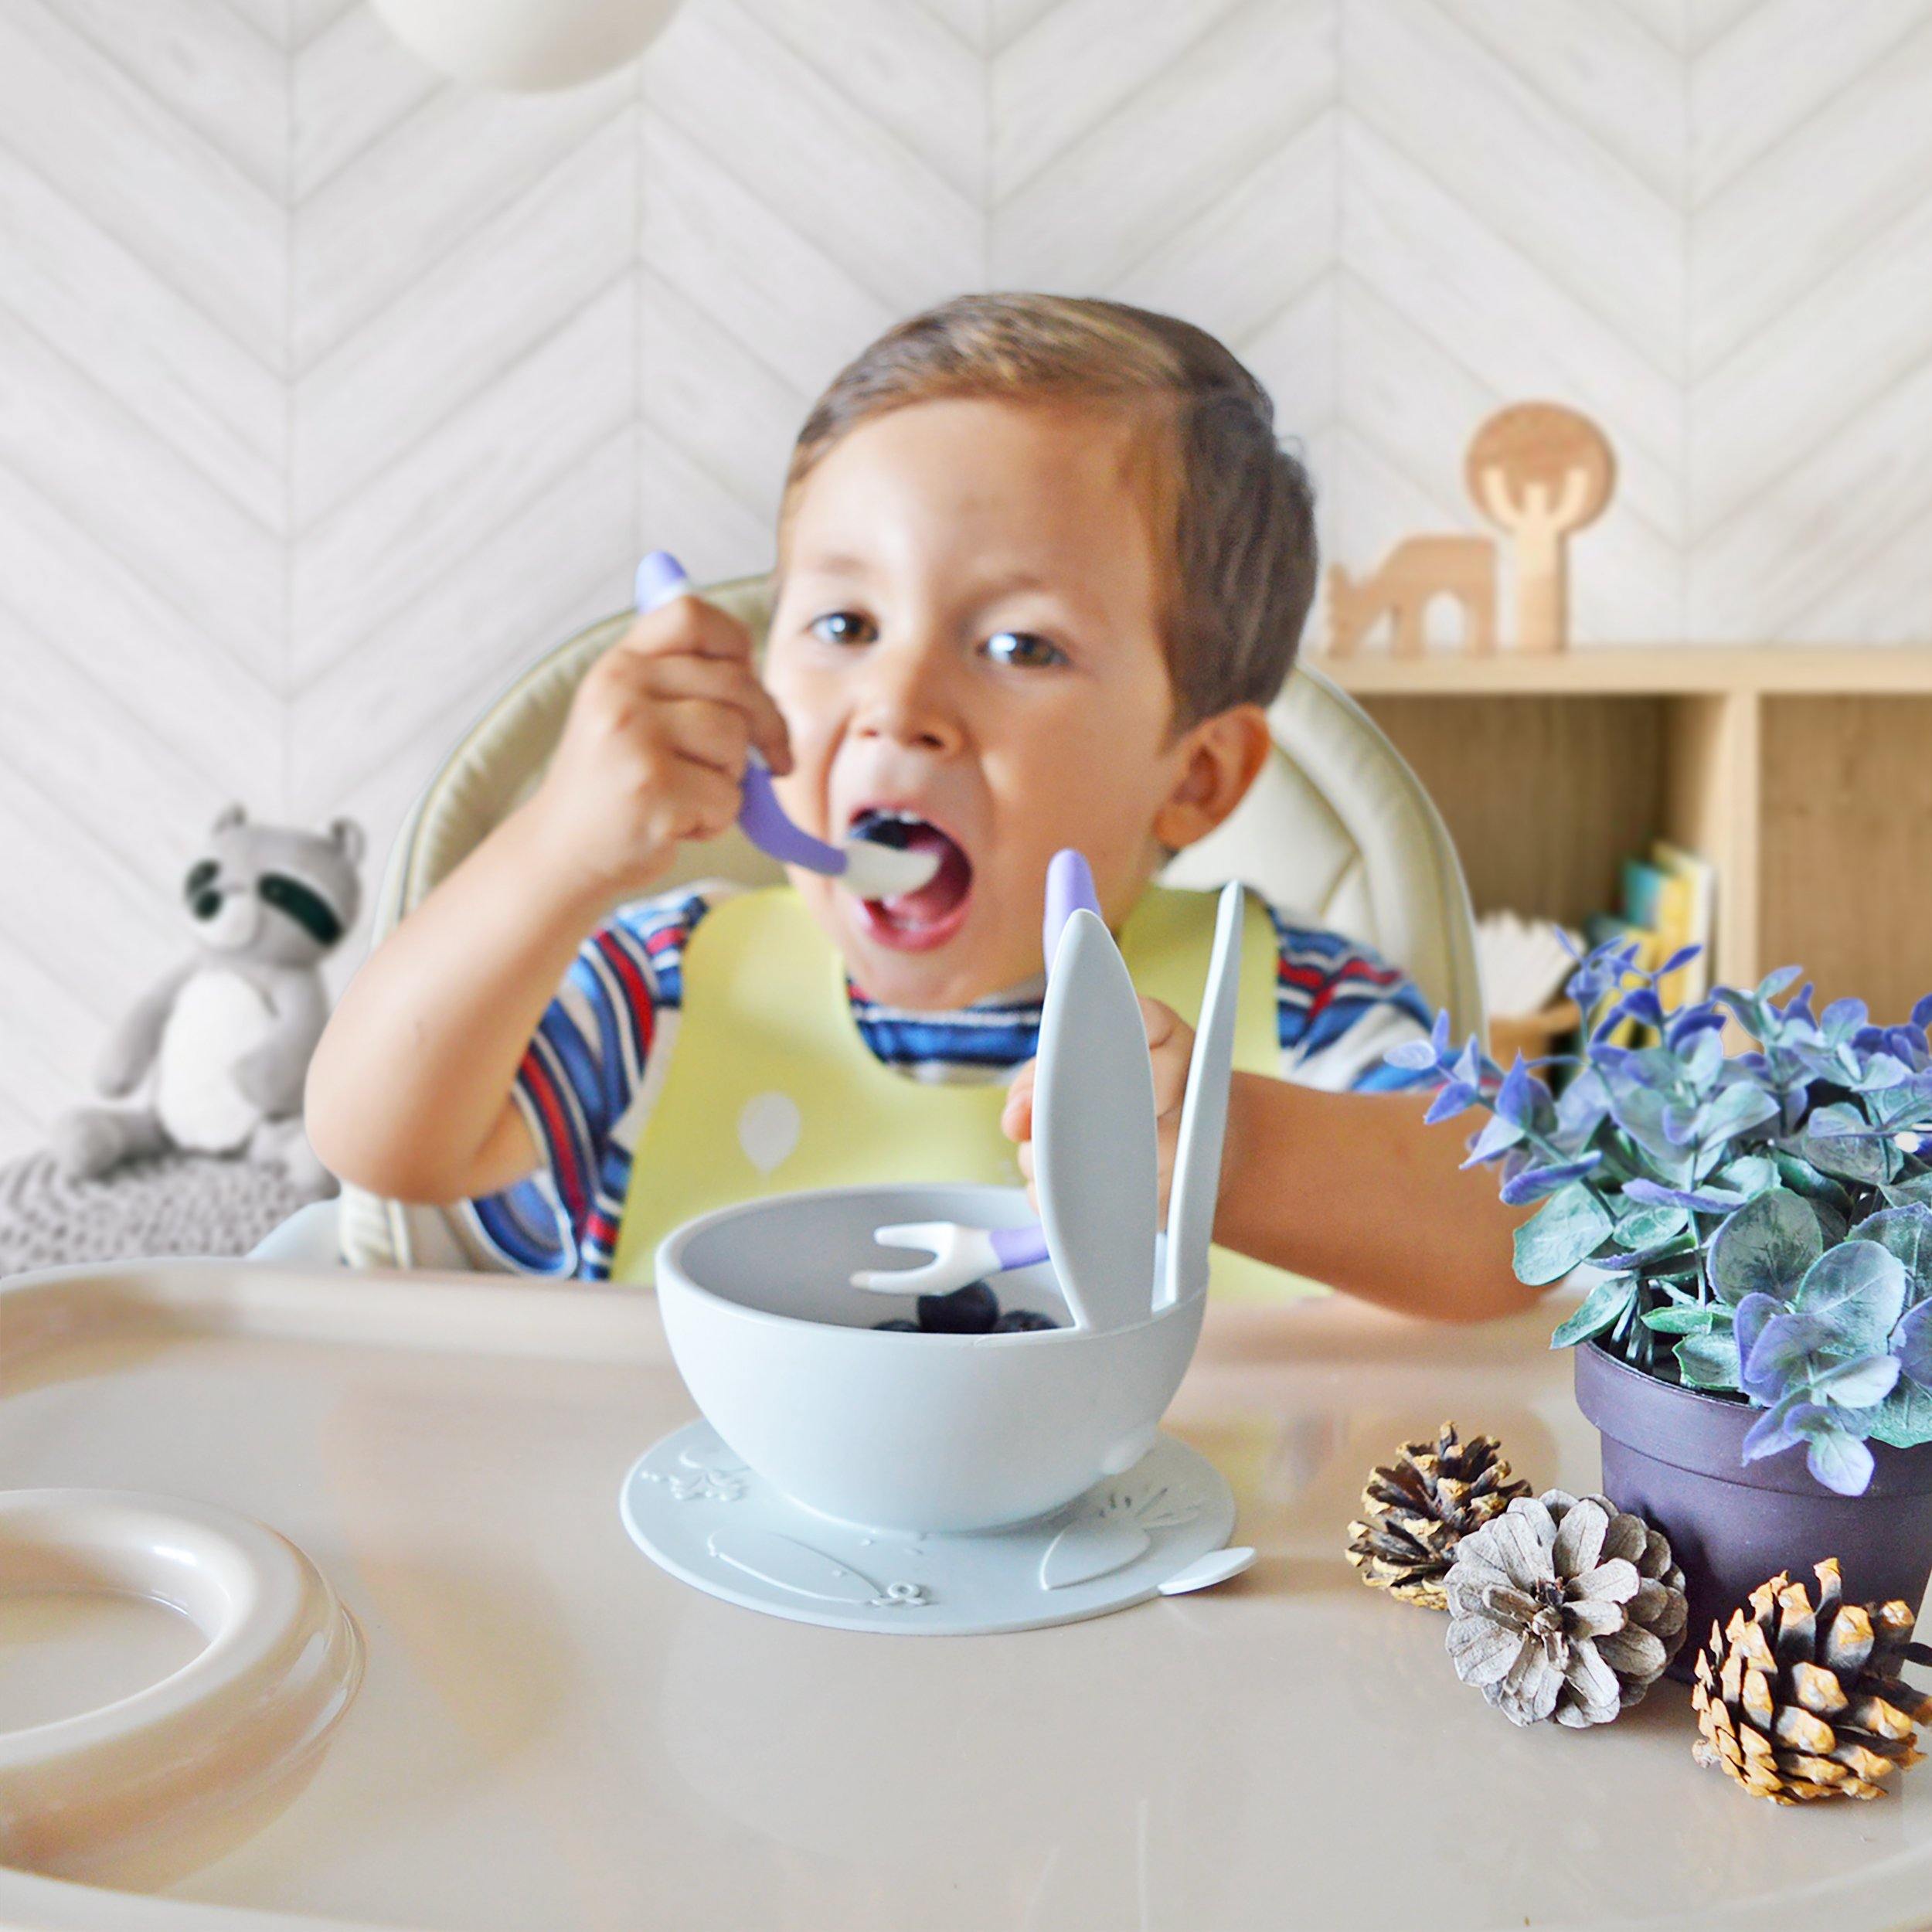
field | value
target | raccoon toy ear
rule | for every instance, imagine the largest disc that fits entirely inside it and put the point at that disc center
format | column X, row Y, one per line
column 230, row 817
column 348, row 837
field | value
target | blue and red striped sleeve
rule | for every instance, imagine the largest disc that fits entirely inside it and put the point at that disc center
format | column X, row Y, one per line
column 1340, row 1006
column 580, row 1076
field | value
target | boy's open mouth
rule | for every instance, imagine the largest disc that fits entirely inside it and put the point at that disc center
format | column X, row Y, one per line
column 914, row 921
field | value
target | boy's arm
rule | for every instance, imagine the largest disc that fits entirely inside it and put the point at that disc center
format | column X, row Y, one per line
column 1353, row 1189
column 409, row 1092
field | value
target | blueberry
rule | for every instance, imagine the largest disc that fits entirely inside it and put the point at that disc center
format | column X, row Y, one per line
column 1022, row 1322
column 897, row 1327
column 971, row 1310
column 882, row 829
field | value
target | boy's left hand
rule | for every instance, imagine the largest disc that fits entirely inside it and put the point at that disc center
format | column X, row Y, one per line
column 1170, row 1045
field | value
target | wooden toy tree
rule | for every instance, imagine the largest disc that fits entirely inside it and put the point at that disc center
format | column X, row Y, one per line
column 1540, row 471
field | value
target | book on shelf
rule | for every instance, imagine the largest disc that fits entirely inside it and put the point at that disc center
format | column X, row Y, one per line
column 1699, row 877
column 1669, row 902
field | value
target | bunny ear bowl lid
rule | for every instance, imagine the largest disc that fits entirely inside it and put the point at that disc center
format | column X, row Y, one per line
column 1094, row 1134
column 1204, row 1114
column 1096, row 1161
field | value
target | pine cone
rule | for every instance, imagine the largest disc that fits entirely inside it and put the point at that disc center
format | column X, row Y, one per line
column 1418, row 1508
column 1564, row 1608
column 1796, row 1702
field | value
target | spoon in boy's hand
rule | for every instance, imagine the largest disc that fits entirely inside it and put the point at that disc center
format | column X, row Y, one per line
column 864, row 864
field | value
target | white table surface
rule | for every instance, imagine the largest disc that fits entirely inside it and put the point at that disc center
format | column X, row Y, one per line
column 554, row 1734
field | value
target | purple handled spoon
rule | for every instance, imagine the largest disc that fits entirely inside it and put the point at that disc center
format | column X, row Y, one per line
column 863, row 866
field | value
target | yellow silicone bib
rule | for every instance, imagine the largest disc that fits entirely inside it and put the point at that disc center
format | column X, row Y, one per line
column 771, row 1088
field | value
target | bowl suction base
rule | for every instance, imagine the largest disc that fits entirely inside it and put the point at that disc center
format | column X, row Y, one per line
column 699, row 1512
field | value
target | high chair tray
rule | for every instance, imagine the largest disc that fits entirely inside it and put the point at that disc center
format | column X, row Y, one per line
column 552, row 1733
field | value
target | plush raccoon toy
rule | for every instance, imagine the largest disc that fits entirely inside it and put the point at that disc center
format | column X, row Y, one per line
column 228, row 1034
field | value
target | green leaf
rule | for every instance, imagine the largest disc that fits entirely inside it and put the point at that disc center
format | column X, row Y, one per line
column 1909, row 1188
column 1859, row 1289
column 1851, row 1157
column 1691, row 1321
column 1708, row 1361
column 1641, row 1227
column 1906, row 1232
column 1567, row 1228
column 1735, row 1109
column 1602, row 1306
column 1765, row 1247
column 1751, row 1175
column 1801, row 1177
column 1903, row 1419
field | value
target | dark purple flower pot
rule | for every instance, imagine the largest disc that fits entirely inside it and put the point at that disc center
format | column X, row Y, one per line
column 1676, row 1457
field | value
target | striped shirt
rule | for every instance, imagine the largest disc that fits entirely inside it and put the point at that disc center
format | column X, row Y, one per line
column 597, row 1064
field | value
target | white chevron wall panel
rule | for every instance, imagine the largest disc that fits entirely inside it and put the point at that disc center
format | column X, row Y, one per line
column 1811, row 332
column 143, row 471
column 1512, row 227
column 811, row 174
column 1185, row 159
column 152, row 179
column 331, row 392
column 464, row 366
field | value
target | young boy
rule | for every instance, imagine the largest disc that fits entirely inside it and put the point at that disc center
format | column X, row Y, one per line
column 1042, row 564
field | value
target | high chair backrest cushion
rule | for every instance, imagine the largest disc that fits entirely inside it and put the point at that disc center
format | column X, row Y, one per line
column 1337, row 832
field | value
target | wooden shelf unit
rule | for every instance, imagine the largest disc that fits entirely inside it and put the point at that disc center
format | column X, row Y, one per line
column 1804, row 775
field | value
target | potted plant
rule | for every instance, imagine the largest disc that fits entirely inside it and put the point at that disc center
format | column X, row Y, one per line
column 1756, row 1229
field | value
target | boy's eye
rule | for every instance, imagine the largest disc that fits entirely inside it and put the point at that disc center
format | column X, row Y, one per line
column 1026, row 648
column 844, row 627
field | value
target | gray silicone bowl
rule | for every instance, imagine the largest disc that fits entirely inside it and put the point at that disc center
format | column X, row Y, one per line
column 897, row 1431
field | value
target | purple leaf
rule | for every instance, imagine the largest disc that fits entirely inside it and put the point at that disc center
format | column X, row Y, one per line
column 1838, row 1458
column 1842, row 1019
column 1858, row 1384
column 1533, row 1183
column 1691, row 1023
column 1752, row 1314
column 1642, row 1004
column 1497, row 1135
column 1777, row 1430
column 1413, row 1056
column 1522, row 1098
column 1456, row 1098
column 1786, row 1342
column 1702, row 1200
column 1922, row 1012
column 1582, row 1105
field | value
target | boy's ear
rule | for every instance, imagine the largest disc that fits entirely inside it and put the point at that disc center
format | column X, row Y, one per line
column 1220, row 758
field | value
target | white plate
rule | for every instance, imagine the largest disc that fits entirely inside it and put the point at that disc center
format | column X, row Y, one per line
column 695, row 1509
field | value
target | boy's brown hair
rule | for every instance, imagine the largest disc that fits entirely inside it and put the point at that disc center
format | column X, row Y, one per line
column 1238, row 506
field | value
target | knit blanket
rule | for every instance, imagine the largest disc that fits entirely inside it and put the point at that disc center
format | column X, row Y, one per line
column 175, row 1204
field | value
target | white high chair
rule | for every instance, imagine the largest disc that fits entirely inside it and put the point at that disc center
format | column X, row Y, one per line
column 1337, row 830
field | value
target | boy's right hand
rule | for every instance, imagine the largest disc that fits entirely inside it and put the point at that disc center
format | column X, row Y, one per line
column 654, row 750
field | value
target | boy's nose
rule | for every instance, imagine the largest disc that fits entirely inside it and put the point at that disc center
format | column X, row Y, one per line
column 905, row 700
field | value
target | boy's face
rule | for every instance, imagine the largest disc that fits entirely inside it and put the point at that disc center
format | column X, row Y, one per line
column 966, row 633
